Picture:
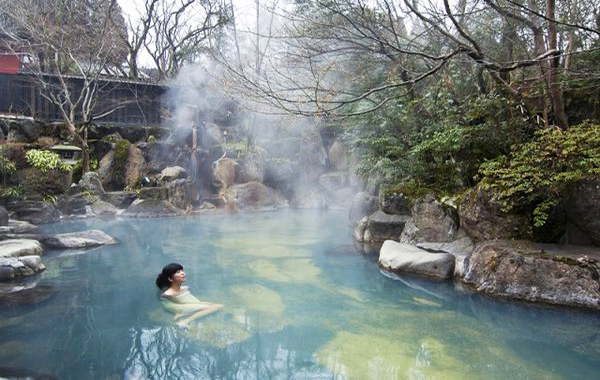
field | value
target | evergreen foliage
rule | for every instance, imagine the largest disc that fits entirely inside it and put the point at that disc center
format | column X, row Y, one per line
column 538, row 172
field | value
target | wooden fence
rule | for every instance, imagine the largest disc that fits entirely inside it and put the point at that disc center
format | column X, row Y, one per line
column 131, row 102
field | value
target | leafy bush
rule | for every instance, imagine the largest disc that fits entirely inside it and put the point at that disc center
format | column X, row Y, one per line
column 537, row 173
column 7, row 167
column 11, row 191
column 45, row 160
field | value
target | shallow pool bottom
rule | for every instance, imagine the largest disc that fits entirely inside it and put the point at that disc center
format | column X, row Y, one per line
column 300, row 303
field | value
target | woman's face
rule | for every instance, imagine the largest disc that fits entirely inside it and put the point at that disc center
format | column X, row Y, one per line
column 178, row 277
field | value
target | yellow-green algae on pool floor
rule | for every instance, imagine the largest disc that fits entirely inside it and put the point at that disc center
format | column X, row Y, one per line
column 352, row 355
column 287, row 270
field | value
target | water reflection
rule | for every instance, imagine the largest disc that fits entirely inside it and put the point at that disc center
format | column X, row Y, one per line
column 168, row 353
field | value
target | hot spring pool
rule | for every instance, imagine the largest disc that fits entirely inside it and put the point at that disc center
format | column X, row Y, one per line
column 300, row 303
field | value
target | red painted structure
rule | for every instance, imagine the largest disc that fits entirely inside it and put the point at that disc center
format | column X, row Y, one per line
column 9, row 63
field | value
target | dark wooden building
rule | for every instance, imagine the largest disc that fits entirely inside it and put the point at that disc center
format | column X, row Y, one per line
column 122, row 101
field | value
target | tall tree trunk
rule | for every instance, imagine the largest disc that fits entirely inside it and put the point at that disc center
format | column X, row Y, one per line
column 554, row 87
column 539, row 49
column 85, row 151
column 509, row 35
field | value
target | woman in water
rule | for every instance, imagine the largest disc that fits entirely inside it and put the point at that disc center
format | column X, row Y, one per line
column 178, row 299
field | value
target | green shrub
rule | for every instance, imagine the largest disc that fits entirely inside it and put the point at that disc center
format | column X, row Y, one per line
column 37, row 184
column 537, row 173
column 7, row 167
column 11, row 191
column 45, row 160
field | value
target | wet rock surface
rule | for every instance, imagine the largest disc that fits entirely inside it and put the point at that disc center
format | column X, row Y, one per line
column 20, row 247
column 75, row 204
column 91, row 182
column 103, row 208
column 362, row 205
column 482, row 219
column 382, row 226
column 461, row 249
column 172, row 173
column 151, row 208
column 182, row 193
column 120, row 199
column 544, row 273
column 23, row 266
column 253, row 196
column 80, row 239
column 20, row 226
column 36, row 212
column 406, row 258
column 583, row 208
column 394, row 203
column 3, row 216
column 431, row 221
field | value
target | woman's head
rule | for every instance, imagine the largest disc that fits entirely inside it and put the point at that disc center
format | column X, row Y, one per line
column 164, row 278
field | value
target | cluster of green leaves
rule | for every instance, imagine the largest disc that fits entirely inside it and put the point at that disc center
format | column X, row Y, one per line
column 7, row 166
column 45, row 160
column 538, row 172
column 437, row 140
column 11, row 191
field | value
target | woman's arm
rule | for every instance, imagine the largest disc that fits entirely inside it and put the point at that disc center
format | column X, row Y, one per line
column 201, row 313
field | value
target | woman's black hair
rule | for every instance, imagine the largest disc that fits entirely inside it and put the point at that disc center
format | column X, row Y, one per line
column 162, row 281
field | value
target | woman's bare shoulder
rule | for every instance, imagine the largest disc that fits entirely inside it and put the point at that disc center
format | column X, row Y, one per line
column 169, row 293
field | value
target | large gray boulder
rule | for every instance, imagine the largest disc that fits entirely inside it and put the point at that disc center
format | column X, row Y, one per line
column 483, row 219
column 158, row 154
column 253, row 196
column 182, row 193
column 3, row 216
column 583, row 208
column 20, row 226
column 81, row 239
column 36, row 212
column 172, row 173
column 392, row 202
column 252, row 166
column 23, row 266
column 151, row 208
column 406, row 258
column 103, row 208
column 224, row 173
column 381, row 226
column 460, row 248
column 431, row 221
column 135, row 164
column 91, row 182
column 23, row 130
column 120, row 199
column 160, row 193
column 74, row 205
column 20, row 247
column 535, row 273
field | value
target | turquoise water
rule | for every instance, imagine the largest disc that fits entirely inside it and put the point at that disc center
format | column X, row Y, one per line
column 300, row 303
